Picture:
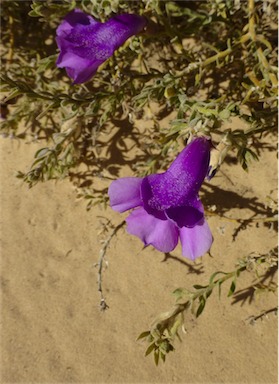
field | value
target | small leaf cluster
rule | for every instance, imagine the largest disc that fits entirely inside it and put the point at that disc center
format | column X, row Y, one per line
column 161, row 336
column 51, row 163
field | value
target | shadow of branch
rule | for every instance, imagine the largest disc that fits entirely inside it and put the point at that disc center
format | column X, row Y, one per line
column 198, row 269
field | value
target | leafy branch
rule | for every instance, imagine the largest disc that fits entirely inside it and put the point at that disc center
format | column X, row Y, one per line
column 54, row 162
column 165, row 329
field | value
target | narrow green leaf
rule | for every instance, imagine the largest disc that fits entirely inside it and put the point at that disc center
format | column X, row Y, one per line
column 201, row 306
column 197, row 286
column 208, row 293
column 143, row 335
column 12, row 95
column 150, row 349
column 41, row 153
column 232, row 288
column 163, row 357
column 219, row 289
column 156, row 357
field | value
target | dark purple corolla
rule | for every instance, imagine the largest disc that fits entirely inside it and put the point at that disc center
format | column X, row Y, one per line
column 167, row 205
column 85, row 43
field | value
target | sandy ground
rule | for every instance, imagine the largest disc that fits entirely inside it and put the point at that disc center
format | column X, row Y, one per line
column 52, row 328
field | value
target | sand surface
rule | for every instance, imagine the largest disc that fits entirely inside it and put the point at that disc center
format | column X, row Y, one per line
column 52, row 328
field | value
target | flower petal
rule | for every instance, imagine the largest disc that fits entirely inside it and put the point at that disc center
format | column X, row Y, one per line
column 181, row 182
column 195, row 241
column 119, row 28
column 72, row 19
column 162, row 234
column 92, row 41
column 124, row 193
column 186, row 216
column 194, row 159
column 78, row 69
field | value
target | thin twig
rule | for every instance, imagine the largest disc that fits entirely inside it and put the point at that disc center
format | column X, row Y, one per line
column 253, row 319
column 12, row 41
column 103, row 304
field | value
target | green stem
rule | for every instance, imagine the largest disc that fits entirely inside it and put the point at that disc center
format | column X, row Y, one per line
column 216, row 57
column 163, row 320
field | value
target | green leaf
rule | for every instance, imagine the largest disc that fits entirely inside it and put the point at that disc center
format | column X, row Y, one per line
column 150, row 349
column 12, row 95
column 232, row 288
column 42, row 153
column 143, row 335
column 156, row 357
column 246, row 155
column 219, row 289
column 225, row 114
column 33, row 13
column 163, row 356
column 206, row 111
column 180, row 293
column 46, row 63
column 201, row 306
column 197, row 286
column 208, row 293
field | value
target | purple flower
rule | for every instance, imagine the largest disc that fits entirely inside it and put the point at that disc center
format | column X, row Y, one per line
column 167, row 205
column 85, row 43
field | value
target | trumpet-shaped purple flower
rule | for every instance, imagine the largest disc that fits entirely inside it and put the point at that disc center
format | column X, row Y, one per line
column 167, row 206
column 85, row 43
